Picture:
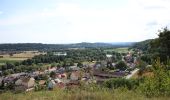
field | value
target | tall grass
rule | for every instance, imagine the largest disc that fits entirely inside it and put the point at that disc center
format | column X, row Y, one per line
column 79, row 94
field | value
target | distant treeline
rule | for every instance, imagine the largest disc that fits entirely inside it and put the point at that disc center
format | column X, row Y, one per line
column 37, row 62
column 48, row 47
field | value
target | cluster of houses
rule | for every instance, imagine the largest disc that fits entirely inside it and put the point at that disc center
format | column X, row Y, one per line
column 102, row 76
column 56, row 78
column 61, row 77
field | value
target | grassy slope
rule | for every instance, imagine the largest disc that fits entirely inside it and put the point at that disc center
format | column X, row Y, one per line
column 78, row 94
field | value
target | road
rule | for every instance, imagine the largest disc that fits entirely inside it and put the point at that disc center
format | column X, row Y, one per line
column 132, row 73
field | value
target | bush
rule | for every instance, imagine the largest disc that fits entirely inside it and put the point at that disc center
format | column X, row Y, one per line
column 121, row 82
column 159, row 85
column 121, row 65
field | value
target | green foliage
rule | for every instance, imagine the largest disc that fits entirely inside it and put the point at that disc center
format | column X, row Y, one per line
column 91, row 92
column 146, row 58
column 121, row 65
column 52, row 74
column 144, row 45
column 122, row 83
column 159, row 84
column 54, row 64
column 37, row 62
column 142, row 67
column 39, row 87
column 159, row 47
column 110, row 66
column 51, row 47
column 79, row 64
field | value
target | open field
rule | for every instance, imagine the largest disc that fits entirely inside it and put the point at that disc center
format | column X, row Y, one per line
column 18, row 56
column 119, row 50
column 11, row 60
column 78, row 94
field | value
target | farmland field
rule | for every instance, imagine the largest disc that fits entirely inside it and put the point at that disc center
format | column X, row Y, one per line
column 18, row 56
column 119, row 50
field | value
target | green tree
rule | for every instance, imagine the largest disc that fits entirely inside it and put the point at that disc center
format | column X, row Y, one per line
column 79, row 64
column 110, row 66
column 142, row 67
column 161, row 45
column 121, row 82
column 52, row 74
column 121, row 65
column 159, row 84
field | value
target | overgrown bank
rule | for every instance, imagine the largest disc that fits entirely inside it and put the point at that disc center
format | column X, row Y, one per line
column 78, row 94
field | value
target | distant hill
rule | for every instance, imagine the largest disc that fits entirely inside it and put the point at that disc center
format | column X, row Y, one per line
column 143, row 45
column 124, row 43
column 46, row 47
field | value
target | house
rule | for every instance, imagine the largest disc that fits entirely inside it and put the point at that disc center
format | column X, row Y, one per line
column 97, row 66
column 57, row 80
column 54, row 83
column 52, row 69
column 74, row 76
column 61, row 70
column 60, row 53
column 51, row 84
column 108, row 55
column 113, row 64
column 74, row 68
column 9, row 80
column 59, row 83
column 100, row 64
column 42, row 82
column 128, row 58
column 49, row 70
column 37, row 73
column 102, row 76
column 61, row 76
column 16, row 75
column 24, row 84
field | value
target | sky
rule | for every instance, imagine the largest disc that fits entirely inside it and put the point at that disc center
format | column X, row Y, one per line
column 75, row 21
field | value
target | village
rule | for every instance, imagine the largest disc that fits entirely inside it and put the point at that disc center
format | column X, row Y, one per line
column 70, row 77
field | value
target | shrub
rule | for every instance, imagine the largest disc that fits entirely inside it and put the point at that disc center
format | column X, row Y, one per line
column 159, row 85
column 121, row 82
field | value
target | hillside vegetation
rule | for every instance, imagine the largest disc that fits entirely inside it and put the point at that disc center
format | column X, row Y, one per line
column 77, row 94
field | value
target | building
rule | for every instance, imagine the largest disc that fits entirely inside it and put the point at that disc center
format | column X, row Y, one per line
column 74, row 76
column 60, row 53
column 25, row 84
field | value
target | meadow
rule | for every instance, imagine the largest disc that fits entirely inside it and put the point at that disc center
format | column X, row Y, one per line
column 18, row 56
column 119, row 50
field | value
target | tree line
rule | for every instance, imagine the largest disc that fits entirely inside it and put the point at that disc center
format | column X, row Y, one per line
column 37, row 62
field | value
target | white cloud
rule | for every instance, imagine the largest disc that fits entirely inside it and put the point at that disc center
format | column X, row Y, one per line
column 136, row 21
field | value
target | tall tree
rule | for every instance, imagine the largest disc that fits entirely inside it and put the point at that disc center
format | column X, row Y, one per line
column 161, row 45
